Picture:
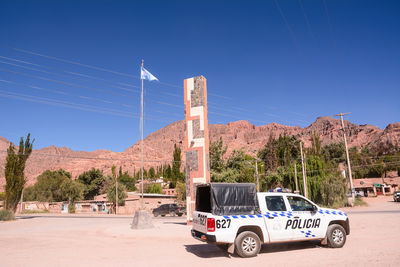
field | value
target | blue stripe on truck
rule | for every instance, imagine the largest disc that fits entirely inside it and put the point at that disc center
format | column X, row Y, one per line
column 288, row 214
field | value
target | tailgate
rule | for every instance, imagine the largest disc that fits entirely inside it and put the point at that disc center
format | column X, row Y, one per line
column 200, row 221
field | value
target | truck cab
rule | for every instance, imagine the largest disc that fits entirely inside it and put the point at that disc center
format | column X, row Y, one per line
column 236, row 216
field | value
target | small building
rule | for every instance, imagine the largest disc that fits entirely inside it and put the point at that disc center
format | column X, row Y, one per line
column 135, row 202
column 377, row 186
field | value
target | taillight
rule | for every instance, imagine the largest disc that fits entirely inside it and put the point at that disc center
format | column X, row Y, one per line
column 210, row 224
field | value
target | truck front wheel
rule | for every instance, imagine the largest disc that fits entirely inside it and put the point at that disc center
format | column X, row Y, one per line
column 247, row 244
column 336, row 236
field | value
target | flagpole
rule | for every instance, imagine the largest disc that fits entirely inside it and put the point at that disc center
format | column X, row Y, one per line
column 141, row 136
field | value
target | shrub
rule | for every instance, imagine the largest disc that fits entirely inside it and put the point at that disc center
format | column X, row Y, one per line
column 6, row 215
column 360, row 202
column 71, row 208
column 34, row 211
column 155, row 189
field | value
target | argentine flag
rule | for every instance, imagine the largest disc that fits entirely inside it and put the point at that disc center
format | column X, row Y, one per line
column 145, row 75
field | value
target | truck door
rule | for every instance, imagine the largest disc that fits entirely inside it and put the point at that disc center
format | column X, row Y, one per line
column 276, row 217
column 307, row 222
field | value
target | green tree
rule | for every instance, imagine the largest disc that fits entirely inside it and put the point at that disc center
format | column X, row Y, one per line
column 287, row 150
column 48, row 186
column 315, row 144
column 152, row 173
column 93, row 181
column 14, row 172
column 122, row 195
column 181, row 191
column 334, row 153
column 269, row 155
column 168, row 172
column 238, row 169
column 217, row 152
column 128, row 181
column 176, row 165
column 333, row 190
column 155, row 189
column 71, row 191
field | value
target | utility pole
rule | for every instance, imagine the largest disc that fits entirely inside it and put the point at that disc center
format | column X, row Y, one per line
column 256, row 171
column 295, row 179
column 258, row 181
column 304, row 171
column 347, row 155
column 116, row 195
column 141, row 140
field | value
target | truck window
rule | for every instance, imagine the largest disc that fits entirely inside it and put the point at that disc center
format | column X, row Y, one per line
column 203, row 199
column 299, row 204
column 275, row 203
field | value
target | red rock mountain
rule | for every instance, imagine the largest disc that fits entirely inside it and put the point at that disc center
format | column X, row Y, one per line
column 159, row 145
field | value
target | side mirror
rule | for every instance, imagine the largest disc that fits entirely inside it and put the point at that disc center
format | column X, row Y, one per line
column 314, row 208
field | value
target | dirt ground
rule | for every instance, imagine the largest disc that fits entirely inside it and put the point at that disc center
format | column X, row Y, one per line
column 108, row 241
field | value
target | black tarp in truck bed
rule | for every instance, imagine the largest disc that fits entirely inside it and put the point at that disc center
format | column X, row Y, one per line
column 227, row 198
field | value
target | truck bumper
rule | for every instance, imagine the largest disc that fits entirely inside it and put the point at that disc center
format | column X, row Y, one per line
column 203, row 237
column 347, row 226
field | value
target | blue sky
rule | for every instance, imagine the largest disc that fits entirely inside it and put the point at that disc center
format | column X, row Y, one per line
column 265, row 61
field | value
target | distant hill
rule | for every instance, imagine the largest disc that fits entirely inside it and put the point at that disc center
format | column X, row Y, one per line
column 159, row 145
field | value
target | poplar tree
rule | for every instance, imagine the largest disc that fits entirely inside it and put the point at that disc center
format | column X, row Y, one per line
column 14, row 172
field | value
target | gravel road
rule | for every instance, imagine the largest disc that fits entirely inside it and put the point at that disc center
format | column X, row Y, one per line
column 54, row 240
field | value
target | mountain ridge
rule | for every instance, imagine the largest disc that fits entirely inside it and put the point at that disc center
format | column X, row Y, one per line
column 159, row 145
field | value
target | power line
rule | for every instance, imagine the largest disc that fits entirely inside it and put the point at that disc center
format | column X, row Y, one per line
column 97, row 78
column 95, row 67
column 329, row 23
column 75, row 63
column 20, row 61
column 72, row 105
column 66, row 93
column 80, row 75
column 307, row 22
column 124, row 74
column 286, row 23
column 65, row 83
column 102, row 90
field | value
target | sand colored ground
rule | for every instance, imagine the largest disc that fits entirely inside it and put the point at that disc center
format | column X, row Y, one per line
column 109, row 241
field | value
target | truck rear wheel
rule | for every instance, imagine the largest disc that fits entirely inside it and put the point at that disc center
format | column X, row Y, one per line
column 336, row 236
column 247, row 244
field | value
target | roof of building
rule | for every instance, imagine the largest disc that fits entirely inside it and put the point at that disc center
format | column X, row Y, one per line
column 369, row 182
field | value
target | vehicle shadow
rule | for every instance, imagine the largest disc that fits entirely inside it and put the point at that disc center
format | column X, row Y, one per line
column 180, row 223
column 212, row 251
column 206, row 251
column 290, row 246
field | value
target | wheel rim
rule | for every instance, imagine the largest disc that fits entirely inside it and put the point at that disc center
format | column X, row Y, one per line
column 337, row 236
column 249, row 244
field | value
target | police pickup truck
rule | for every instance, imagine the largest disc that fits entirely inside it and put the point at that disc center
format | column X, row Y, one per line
column 237, row 218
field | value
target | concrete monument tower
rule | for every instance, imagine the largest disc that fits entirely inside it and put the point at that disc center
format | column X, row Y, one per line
column 196, row 139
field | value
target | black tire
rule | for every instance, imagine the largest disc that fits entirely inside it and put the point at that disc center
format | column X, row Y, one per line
column 247, row 244
column 336, row 236
column 162, row 215
column 180, row 214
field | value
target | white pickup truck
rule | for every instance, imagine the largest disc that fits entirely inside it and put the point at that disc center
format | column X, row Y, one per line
column 237, row 218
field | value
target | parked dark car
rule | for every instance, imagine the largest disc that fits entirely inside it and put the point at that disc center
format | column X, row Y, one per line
column 396, row 196
column 171, row 209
